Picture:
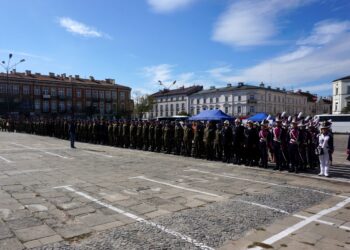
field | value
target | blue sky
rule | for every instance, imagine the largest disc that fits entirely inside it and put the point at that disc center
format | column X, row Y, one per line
column 296, row 44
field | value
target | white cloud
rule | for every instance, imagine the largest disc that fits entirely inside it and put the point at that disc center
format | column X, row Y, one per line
column 162, row 72
column 79, row 28
column 316, row 88
column 306, row 64
column 252, row 22
column 164, row 6
column 325, row 32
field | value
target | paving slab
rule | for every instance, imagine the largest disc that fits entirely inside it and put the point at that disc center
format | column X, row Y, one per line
column 34, row 233
column 11, row 244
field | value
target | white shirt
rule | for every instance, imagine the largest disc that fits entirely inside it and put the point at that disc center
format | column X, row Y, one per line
column 323, row 141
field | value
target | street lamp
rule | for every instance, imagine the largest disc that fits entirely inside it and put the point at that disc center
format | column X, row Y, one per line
column 166, row 86
column 9, row 67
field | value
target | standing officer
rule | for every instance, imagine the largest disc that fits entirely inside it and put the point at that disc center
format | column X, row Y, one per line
column 293, row 146
column 251, row 144
column 323, row 149
column 72, row 129
column 218, row 142
column 227, row 141
column 178, row 137
column 187, row 139
column 238, row 142
column 277, row 134
column 264, row 143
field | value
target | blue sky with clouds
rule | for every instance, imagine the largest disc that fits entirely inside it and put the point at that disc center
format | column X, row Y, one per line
column 299, row 44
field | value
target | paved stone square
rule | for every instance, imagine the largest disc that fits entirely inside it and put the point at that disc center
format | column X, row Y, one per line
column 100, row 197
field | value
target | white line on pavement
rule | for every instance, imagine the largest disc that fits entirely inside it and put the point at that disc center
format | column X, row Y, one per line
column 140, row 219
column 263, row 206
column 95, row 153
column 225, row 175
column 6, row 160
column 175, row 186
column 34, row 149
column 302, row 223
column 46, row 152
column 320, row 221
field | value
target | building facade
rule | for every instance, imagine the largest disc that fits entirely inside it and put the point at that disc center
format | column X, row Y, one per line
column 245, row 100
column 168, row 103
column 341, row 95
column 36, row 94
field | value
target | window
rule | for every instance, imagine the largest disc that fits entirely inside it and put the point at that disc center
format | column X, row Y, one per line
column 45, row 90
column 251, row 109
column 108, row 107
column 102, row 94
column 239, row 109
column 15, row 89
column 37, row 90
column 61, row 92
column 336, row 106
column 88, row 104
column 192, row 101
column 171, row 107
column 108, row 95
column 26, row 90
column 95, row 94
column 177, row 107
column 3, row 88
column 46, row 106
column 226, row 98
column 251, row 97
column 54, row 92
column 88, row 93
column 226, row 110
column 182, row 98
column 279, row 99
column 217, row 99
column 114, row 95
column 79, row 106
column 69, row 92
column 239, row 98
column 274, row 98
column 166, row 107
column 69, row 106
column 53, row 106
column 269, row 97
column 198, row 110
column 78, row 93
column 204, row 100
column 336, row 91
column 122, row 96
column 161, row 108
column 37, row 104
column 62, row 106
column 182, row 106
column 211, row 100
column 211, row 107
column 348, row 92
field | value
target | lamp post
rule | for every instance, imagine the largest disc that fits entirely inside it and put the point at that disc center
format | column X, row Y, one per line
column 166, row 86
column 9, row 67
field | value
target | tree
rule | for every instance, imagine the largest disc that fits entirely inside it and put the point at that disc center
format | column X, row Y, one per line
column 183, row 113
column 142, row 104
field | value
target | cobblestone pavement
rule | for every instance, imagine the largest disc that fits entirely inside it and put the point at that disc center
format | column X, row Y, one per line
column 99, row 197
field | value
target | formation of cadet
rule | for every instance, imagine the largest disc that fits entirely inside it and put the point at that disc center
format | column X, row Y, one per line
column 290, row 142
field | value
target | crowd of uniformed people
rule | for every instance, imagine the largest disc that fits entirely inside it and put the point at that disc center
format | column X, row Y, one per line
column 292, row 143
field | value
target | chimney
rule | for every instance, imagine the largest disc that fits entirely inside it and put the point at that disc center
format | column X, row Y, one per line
column 262, row 85
column 28, row 72
column 63, row 76
column 77, row 77
column 70, row 78
column 51, row 74
column 229, row 85
column 269, row 87
column 278, row 88
column 240, row 84
column 91, row 78
column 212, row 87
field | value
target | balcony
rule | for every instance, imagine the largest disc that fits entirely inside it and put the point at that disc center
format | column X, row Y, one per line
column 252, row 101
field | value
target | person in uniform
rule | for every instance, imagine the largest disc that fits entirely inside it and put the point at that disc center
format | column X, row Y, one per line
column 227, row 141
column 151, row 131
column 158, row 136
column 293, row 146
column 208, row 140
column 187, row 139
column 72, row 130
column 264, row 143
column 178, row 137
column 218, row 142
column 145, row 134
column 277, row 134
column 323, row 146
column 251, row 144
column 238, row 142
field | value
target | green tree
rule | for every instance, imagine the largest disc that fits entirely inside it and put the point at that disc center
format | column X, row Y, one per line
column 142, row 104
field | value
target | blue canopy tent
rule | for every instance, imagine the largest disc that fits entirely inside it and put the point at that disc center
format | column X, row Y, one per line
column 211, row 115
column 259, row 117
